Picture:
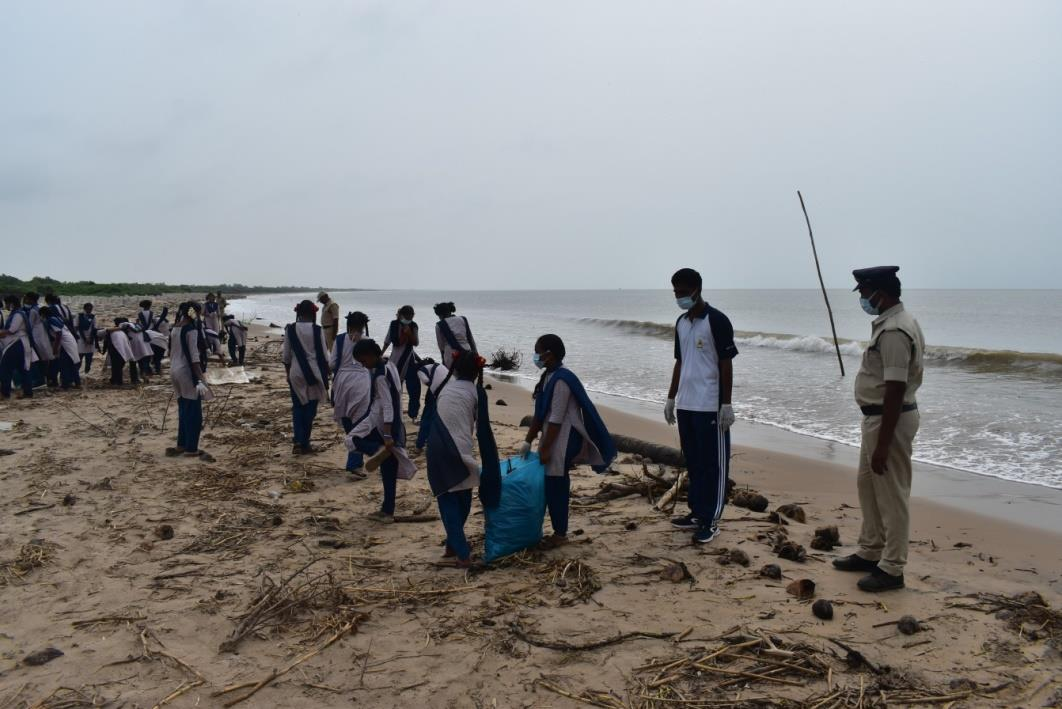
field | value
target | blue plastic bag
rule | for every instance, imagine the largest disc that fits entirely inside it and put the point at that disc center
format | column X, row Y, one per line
column 516, row 523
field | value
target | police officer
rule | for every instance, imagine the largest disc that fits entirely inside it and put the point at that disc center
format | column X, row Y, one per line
column 885, row 389
column 329, row 319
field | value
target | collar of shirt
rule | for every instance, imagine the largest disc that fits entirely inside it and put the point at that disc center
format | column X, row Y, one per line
column 898, row 308
column 704, row 313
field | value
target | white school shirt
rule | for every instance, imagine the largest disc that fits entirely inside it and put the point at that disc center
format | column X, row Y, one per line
column 382, row 413
column 85, row 344
column 564, row 410
column 181, row 373
column 118, row 344
column 398, row 350
column 139, row 348
column 144, row 319
column 19, row 333
column 237, row 332
column 698, row 388
column 303, row 390
column 437, row 378
column 43, row 343
column 350, row 381
column 460, row 330
column 68, row 344
column 456, row 409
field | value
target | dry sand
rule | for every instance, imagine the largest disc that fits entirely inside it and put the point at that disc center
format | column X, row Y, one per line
column 140, row 618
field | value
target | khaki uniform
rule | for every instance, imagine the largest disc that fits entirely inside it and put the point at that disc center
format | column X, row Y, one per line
column 330, row 323
column 894, row 354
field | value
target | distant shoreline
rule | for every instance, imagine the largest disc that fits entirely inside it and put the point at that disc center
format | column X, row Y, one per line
column 44, row 284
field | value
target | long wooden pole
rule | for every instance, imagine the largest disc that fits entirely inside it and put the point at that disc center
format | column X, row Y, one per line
column 825, row 297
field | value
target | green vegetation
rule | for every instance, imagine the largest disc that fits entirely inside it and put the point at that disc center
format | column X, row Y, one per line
column 43, row 284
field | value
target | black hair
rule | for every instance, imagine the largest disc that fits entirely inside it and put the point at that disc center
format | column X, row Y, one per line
column 87, row 306
column 466, row 366
column 120, row 321
column 145, row 304
column 687, row 277
column 406, row 310
column 50, row 298
column 47, row 311
column 165, row 312
column 306, row 309
column 552, row 344
column 31, row 296
column 11, row 298
column 892, row 286
column 366, row 347
column 444, row 310
column 359, row 321
column 183, row 308
column 227, row 317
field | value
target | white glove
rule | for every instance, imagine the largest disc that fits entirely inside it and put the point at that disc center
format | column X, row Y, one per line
column 204, row 392
column 726, row 417
column 524, row 449
column 669, row 412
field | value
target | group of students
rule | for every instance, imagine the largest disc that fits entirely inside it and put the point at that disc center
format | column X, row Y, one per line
column 366, row 389
column 48, row 344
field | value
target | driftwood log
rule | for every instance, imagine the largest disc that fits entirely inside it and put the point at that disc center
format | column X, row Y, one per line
column 665, row 455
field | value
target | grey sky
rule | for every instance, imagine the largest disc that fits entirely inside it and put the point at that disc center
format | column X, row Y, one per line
column 530, row 145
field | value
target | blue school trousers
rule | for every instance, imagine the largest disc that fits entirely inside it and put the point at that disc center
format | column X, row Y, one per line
column 68, row 371
column 12, row 361
column 413, row 389
column 87, row 359
column 707, row 451
column 559, row 487
column 156, row 359
column 454, row 508
column 189, row 423
column 302, row 416
column 354, row 459
column 236, row 354
column 388, row 470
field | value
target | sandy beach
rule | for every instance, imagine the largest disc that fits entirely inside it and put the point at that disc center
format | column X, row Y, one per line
column 257, row 581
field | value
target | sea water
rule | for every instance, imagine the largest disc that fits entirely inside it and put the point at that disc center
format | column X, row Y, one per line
column 991, row 401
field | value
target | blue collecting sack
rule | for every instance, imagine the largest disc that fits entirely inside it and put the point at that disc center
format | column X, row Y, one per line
column 516, row 522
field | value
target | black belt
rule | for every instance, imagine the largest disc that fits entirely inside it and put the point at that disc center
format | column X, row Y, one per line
column 879, row 410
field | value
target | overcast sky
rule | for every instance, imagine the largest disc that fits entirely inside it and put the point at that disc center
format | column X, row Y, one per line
column 535, row 144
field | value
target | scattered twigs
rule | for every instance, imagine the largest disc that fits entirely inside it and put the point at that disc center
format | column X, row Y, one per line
column 565, row 646
column 30, row 556
column 347, row 627
column 668, row 500
column 594, row 699
column 107, row 620
column 37, row 508
column 1026, row 613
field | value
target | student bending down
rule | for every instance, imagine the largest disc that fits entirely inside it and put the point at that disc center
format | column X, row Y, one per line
column 237, row 332
column 118, row 352
column 17, row 353
column 574, row 432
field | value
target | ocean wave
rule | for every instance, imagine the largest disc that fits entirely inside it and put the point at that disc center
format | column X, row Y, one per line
column 980, row 360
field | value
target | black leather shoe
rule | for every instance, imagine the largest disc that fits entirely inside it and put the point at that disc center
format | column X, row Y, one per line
column 878, row 580
column 854, row 562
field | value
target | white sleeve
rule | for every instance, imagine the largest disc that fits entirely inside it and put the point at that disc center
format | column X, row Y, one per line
column 558, row 408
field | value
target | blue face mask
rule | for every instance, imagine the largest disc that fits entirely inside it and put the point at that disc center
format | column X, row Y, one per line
column 537, row 359
column 686, row 302
column 404, row 321
column 868, row 307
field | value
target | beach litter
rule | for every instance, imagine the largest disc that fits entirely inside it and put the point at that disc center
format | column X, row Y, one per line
column 826, row 538
column 822, row 609
column 793, row 512
column 42, row 657
column 750, row 500
column 30, row 556
column 803, row 589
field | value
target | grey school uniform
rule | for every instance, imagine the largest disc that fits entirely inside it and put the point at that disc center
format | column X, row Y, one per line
column 350, row 380
column 456, row 408
column 43, row 343
column 303, row 390
column 458, row 326
column 564, row 410
column 181, row 372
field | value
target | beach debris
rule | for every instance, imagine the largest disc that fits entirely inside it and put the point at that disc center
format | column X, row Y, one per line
column 576, row 579
column 822, row 609
column 500, row 402
column 908, row 625
column 69, row 500
column 231, row 533
column 803, row 589
column 750, row 500
column 6, row 451
column 299, row 485
column 164, row 531
column 1026, row 613
column 676, row 572
column 826, row 538
column 777, row 518
column 104, row 484
column 42, row 657
column 733, row 556
column 631, row 526
column 771, row 571
column 790, row 550
column 487, row 387
column 564, row 646
column 505, row 360
column 30, row 556
column 794, row 512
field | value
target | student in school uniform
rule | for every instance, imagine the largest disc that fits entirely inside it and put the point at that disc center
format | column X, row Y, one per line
column 212, row 313
column 701, row 385
column 186, row 373
column 574, row 433
column 87, row 339
column 64, row 345
column 350, row 383
column 16, row 354
column 237, row 333
column 452, row 333
column 140, row 347
column 118, row 352
column 379, row 424
column 403, row 335
column 39, row 341
column 452, row 468
column 159, row 339
column 306, row 361
column 61, row 311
